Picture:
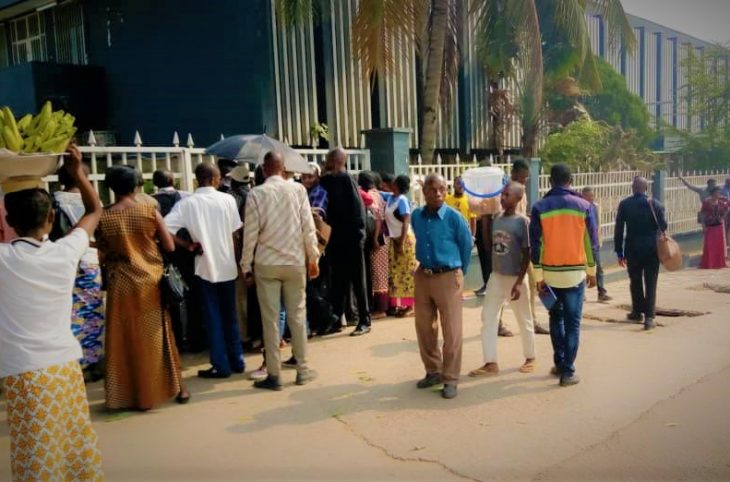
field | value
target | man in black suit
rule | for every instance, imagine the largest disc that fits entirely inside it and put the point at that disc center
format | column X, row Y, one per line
column 639, row 251
column 345, row 251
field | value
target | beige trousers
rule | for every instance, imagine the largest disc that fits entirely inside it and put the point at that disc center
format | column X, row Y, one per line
column 499, row 291
column 440, row 294
column 275, row 284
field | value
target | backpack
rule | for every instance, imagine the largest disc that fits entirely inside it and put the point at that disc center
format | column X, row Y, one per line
column 167, row 201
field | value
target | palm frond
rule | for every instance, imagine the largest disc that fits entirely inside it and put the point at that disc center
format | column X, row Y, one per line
column 496, row 38
column 382, row 31
column 620, row 31
column 297, row 12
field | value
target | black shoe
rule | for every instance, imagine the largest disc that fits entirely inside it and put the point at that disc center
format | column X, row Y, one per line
column 332, row 330
column 556, row 371
column 637, row 317
column 481, row 291
column 305, row 376
column 269, row 383
column 290, row 363
column 430, row 380
column 240, row 369
column 182, row 399
column 649, row 324
column 569, row 380
column 449, row 391
column 212, row 373
column 361, row 330
column 603, row 297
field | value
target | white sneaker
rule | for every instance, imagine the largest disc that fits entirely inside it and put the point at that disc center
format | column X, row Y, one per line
column 259, row 374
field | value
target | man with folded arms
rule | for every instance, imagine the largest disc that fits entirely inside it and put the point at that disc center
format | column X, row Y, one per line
column 443, row 249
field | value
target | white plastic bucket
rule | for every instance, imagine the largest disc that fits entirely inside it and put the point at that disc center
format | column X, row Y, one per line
column 484, row 182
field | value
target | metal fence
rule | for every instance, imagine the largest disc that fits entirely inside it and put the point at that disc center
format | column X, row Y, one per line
column 180, row 160
column 609, row 188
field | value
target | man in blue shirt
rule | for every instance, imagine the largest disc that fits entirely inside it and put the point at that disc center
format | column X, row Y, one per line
column 443, row 249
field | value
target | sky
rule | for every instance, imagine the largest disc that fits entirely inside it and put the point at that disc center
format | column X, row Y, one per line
column 707, row 20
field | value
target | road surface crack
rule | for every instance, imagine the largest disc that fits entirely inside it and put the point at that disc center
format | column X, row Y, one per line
column 616, row 433
column 399, row 458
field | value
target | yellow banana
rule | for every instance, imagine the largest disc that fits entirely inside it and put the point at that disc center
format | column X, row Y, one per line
column 24, row 122
column 12, row 142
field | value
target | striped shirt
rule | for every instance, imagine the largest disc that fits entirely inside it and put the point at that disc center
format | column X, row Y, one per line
column 279, row 228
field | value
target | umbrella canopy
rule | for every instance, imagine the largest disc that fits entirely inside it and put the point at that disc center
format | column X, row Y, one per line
column 253, row 148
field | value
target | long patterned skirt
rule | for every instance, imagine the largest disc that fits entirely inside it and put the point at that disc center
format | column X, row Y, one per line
column 142, row 362
column 401, row 286
column 87, row 319
column 379, row 274
column 51, row 437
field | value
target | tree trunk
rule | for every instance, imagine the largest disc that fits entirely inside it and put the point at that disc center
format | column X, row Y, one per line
column 434, row 73
column 532, row 103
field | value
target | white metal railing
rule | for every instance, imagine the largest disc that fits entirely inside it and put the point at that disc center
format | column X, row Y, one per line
column 180, row 160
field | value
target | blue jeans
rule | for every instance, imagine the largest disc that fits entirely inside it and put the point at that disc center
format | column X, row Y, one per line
column 219, row 310
column 565, row 320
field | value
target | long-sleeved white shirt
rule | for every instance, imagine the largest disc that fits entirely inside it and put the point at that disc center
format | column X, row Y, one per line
column 279, row 229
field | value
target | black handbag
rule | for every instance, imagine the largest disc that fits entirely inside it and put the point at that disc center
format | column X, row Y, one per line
column 172, row 285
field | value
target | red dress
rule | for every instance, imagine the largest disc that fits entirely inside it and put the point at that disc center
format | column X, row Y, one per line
column 714, row 249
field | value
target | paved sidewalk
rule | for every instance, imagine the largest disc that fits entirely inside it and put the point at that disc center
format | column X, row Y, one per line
column 651, row 406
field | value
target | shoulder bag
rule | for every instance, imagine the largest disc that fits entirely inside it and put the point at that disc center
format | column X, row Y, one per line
column 172, row 285
column 670, row 255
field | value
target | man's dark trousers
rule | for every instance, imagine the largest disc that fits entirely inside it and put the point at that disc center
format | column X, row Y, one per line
column 219, row 308
column 485, row 255
column 643, row 274
column 565, row 320
column 347, row 265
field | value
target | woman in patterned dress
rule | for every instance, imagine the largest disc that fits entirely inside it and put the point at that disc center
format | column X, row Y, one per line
column 402, row 249
column 142, row 362
column 87, row 319
column 51, row 436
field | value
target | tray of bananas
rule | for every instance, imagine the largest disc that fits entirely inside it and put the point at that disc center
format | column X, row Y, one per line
column 32, row 146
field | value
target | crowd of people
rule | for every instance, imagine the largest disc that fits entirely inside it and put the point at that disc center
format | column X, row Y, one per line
column 269, row 259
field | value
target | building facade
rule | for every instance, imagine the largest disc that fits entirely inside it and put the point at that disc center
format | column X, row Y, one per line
column 165, row 66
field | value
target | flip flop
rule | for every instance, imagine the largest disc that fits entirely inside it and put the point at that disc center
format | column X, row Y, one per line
column 483, row 372
column 528, row 367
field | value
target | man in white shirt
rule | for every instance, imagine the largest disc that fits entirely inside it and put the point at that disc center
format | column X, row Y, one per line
column 280, row 240
column 211, row 218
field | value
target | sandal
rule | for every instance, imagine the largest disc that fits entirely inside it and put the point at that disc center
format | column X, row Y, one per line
column 528, row 367
column 488, row 370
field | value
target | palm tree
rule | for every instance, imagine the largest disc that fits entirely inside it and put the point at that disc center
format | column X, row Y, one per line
column 432, row 25
column 539, row 44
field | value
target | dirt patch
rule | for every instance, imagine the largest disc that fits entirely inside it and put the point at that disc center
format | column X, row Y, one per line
column 717, row 288
column 672, row 313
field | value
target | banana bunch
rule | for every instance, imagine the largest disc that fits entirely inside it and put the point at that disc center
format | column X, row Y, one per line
column 48, row 131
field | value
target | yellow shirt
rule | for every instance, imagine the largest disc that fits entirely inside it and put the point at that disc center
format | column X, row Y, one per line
column 461, row 204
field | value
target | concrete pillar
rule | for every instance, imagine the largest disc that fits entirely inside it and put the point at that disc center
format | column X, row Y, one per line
column 533, row 183
column 658, row 188
column 389, row 149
